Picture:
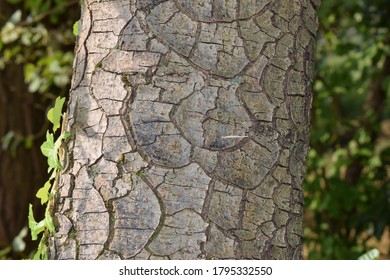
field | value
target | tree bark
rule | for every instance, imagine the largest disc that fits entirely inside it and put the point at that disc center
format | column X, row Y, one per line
column 189, row 124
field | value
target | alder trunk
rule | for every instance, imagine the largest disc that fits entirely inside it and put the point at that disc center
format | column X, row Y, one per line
column 190, row 123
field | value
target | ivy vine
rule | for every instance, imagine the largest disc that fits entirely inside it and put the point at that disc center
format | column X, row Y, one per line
column 52, row 150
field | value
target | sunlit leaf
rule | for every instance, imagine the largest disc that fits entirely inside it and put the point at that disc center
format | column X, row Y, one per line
column 55, row 113
column 43, row 193
column 35, row 228
column 76, row 28
column 49, row 149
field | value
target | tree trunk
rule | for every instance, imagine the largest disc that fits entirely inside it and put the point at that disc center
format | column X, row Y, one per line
column 22, row 170
column 189, row 124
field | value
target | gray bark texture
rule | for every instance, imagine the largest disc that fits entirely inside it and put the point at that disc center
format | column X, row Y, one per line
column 190, row 123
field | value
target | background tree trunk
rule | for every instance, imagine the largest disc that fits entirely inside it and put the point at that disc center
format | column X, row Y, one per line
column 189, row 124
column 22, row 170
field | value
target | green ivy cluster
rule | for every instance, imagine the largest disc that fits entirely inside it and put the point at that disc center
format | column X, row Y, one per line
column 50, row 149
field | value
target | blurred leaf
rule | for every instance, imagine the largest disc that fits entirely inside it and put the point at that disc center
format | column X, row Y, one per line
column 4, row 252
column 16, row 17
column 28, row 142
column 6, row 140
column 76, row 28
column 373, row 254
column 18, row 244
column 10, row 33
column 35, row 85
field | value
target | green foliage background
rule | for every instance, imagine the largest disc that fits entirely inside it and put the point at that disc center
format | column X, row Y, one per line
column 347, row 187
column 35, row 37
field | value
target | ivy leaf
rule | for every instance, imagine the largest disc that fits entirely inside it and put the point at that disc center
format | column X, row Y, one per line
column 55, row 113
column 48, row 150
column 48, row 145
column 43, row 193
column 41, row 253
column 76, row 28
column 35, row 228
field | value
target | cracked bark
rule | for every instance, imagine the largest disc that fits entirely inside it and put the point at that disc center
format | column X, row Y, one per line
column 189, row 124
